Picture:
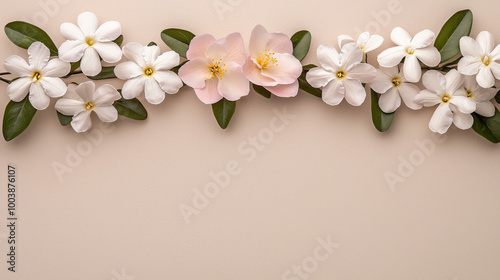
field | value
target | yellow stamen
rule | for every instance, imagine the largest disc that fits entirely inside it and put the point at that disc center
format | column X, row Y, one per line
column 340, row 74
column 410, row 50
column 90, row 41
column 89, row 105
column 266, row 59
column 446, row 98
column 486, row 60
column 36, row 76
column 396, row 81
column 216, row 69
column 469, row 94
column 148, row 71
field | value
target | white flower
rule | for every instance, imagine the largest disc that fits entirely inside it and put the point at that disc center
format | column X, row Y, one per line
column 366, row 42
column 81, row 100
column 87, row 42
column 148, row 71
column 481, row 96
column 40, row 78
column 413, row 50
column 480, row 58
column 453, row 107
column 341, row 75
column 392, row 85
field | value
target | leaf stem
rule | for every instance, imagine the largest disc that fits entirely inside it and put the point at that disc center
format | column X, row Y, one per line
column 4, row 73
column 5, row 80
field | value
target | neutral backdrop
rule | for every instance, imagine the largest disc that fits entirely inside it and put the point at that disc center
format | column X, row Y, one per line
column 320, row 176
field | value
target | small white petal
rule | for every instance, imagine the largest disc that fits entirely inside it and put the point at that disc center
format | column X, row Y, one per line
column 71, row 32
column 18, row 89
column 363, row 72
column 153, row 93
column 82, row 122
column 86, row 91
column 485, row 41
column 469, row 47
column 133, row 87
column 355, row 93
column 328, row 58
column 56, row 68
column 87, row 22
column 128, row 70
column 318, row 77
column 429, row 56
column 408, row 92
column 469, row 65
column 133, row 52
column 91, row 64
column 454, row 81
column 412, row 70
column 389, row 101
column 170, row 82
column 106, row 113
column 423, row 39
column 333, row 93
column 427, row 98
column 382, row 82
column 150, row 54
column 463, row 104
column 344, row 39
column 495, row 69
column 485, row 78
column 37, row 97
column 110, row 52
column 391, row 57
column 373, row 43
column 461, row 120
column 70, row 107
column 17, row 66
column 349, row 55
column 108, row 31
column 486, row 109
column 53, row 87
column 434, row 81
column 167, row 61
column 441, row 119
column 39, row 55
column 72, row 51
column 105, row 95
column 400, row 37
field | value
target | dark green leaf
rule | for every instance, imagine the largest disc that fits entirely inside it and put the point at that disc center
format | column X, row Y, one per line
column 480, row 126
column 17, row 117
column 74, row 66
column 131, row 108
column 305, row 86
column 63, row 119
column 309, row 66
column 223, row 111
column 301, row 43
column 497, row 97
column 177, row 39
column 381, row 120
column 262, row 91
column 23, row 34
column 119, row 40
column 448, row 40
column 176, row 68
column 152, row 44
column 106, row 73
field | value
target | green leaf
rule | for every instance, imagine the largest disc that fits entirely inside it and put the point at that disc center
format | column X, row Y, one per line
column 223, row 111
column 457, row 26
column 152, row 44
column 131, row 108
column 480, row 126
column 497, row 97
column 305, row 86
column 63, row 119
column 177, row 39
column 17, row 118
column 262, row 91
column 381, row 120
column 107, row 72
column 301, row 43
column 24, row 34
column 119, row 40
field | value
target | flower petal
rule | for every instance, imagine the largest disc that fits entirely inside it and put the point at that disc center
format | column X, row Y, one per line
column 105, row 95
column 87, row 22
column 461, row 120
column 391, row 57
column 108, row 31
column 153, row 92
column 485, row 109
column 150, row 54
column 427, row 98
column 17, row 66
column 71, row 32
column 110, row 52
column 345, row 39
column 333, row 93
column 235, row 48
column 412, row 69
column 423, row 39
column 486, row 42
column 128, row 70
column 355, row 93
column 86, row 91
column 400, row 37
column 258, row 40
column 382, row 82
column 279, row 43
column 429, row 56
column 469, row 65
column 328, row 57
column 389, row 101
column 408, row 92
column 349, row 55
column 56, row 68
column 106, row 113
column 463, row 104
column 454, row 81
column 210, row 93
column 39, row 55
column 363, row 72
column 198, row 46
column 37, row 97
column 133, row 51
column 484, row 94
column 318, row 77
column 469, row 47
column 82, row 122
column 289, row 90
column 373, row 43
column 195, row 72
column 495, row 69
column 286, row 71
column 434, row 81
column 485, row 78
column 18, row 89
column 253, row 73
column 72, row 50
column 53, row 87
column 169, row 81
column 133, row 87
column 441, row 119
column 234, row 84
column 91, row 64
column 69, row 107
column 166, row 61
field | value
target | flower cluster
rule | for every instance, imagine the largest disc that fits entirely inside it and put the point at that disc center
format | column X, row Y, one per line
column 221, row 71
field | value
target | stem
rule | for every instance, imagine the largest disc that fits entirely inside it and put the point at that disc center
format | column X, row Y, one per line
column 5, row 80
column 4, row 73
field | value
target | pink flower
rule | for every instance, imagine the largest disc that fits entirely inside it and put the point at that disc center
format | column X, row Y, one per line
column 214, row 69
column 271, row 63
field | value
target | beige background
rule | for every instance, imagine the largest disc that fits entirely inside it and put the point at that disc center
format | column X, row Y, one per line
column 116, row 215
